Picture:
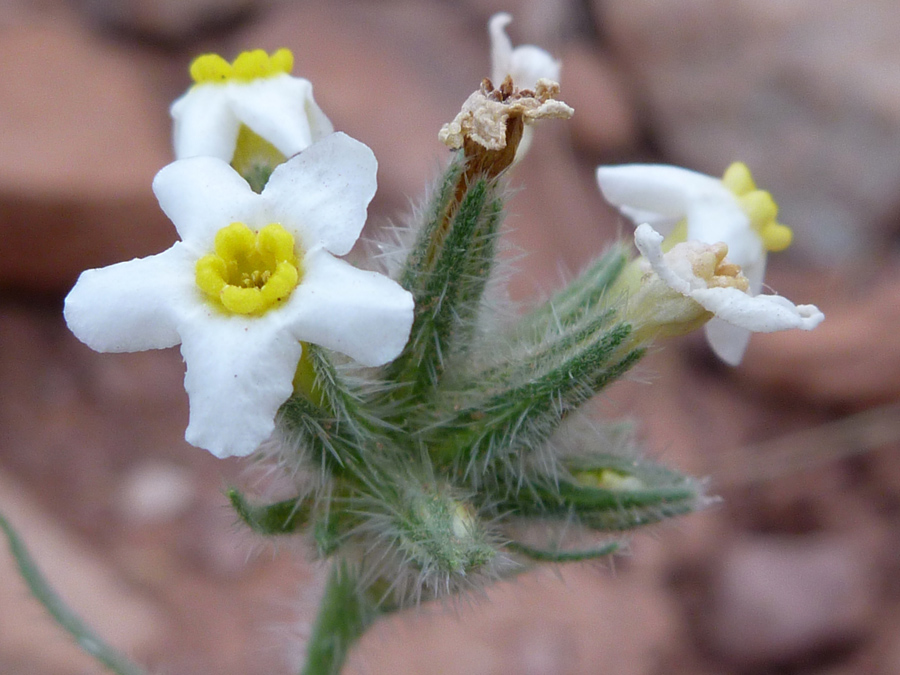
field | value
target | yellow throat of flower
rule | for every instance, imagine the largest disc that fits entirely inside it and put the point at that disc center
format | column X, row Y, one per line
column 248, row 66
column 255, row 158
column 249, row 272
column 759, row 206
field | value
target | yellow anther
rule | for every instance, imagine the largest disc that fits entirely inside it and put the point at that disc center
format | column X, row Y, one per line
column 248, row 66
column 282, row 61
column 234, row 242
column 251, row 65
column 738, row 178
column 210, row 68
column 249, row 272
column 776, row 237
column 759, row 206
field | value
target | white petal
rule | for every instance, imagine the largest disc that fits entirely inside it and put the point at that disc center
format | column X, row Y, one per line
column 501, row 47
column 712, row 218
column 728, row 342
column 755, row 271
column 736, row 312
column 364, row 315
column 201, row 195
column 661, row 195
column 667, row 191
column 649, row 243
column 530, row 64
column 758, row 313
column 135, row 305
column 282, row 110
column 322, row 193
column 239, row 372
column 204, row 124
column 662, row 224
column 526, row 64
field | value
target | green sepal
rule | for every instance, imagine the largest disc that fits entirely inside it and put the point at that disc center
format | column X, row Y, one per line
column 581, row 297
column 284, row 517
column 522, row 415
column 446, row 273
column 332, row 417
column 529, row 361
column 638, row 493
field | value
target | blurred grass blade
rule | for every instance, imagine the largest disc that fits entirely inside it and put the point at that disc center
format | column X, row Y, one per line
column 562, row 555
column 65, row 617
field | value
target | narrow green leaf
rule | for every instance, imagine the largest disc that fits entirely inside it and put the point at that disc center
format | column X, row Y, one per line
column 85, row 638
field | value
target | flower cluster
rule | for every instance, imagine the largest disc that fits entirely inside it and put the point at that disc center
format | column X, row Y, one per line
column 421, row 443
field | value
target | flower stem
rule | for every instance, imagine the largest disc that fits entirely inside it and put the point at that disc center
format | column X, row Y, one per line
column 344, row 615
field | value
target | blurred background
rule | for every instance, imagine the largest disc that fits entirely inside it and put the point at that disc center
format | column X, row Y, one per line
column 794, row 571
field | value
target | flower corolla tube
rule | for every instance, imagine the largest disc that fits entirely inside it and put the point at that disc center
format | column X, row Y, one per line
column 253, row 277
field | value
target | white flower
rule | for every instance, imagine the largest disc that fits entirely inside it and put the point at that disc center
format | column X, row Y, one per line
column 256, row 93
column 702, row 273
column 252, row 277
column 526, row 64
column 689, row 206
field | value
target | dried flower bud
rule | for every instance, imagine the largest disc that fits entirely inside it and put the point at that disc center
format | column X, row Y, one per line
column 491, row 122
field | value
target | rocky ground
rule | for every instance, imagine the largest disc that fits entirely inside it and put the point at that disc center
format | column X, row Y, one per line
column 795, row 571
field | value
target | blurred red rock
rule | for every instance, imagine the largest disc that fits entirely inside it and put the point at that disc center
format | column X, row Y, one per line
column 604, row 123
column 82, row 134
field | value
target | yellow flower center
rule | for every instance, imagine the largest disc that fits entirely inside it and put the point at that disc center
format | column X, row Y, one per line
column 250, row 273
column 248, row 66
column 711, row 266
column 759, row 206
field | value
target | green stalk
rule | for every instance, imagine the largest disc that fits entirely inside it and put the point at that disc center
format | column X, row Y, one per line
column 344, row 615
